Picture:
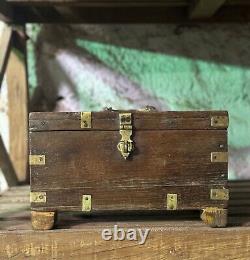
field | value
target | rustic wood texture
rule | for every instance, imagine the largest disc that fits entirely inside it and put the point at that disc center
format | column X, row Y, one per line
column 104, row 11
column 18, row 111
column 42, row 220
column 172, row 236
column 52, row 121
column 214, row 217
column 5, row 46
column 86, row 162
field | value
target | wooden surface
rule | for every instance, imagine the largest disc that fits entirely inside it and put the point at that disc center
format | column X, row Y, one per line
column 18, row 111
column 163, row 162
column 52, row 121
column 205, row 8
column 171, row 237
column 102, row 11
column 5, row 46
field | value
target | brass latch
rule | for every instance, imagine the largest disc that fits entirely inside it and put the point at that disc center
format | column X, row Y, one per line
column 219, row 194
column 125, row 146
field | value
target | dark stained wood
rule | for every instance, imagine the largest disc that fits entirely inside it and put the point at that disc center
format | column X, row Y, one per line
column 110, row 120
column 128, row 11
column 205, row 8
column 164, row 161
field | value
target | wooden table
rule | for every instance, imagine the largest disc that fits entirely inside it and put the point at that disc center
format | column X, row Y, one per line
column 175, row 236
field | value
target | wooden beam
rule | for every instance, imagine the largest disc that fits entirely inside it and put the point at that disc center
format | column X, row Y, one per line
column 5, row 46
column 6, row 13
column 205, row 8
column 18, row 109
column 6, row 165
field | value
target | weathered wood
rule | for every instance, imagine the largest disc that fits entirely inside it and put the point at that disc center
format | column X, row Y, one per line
column 171, row 235
column 205, row 8
column 18, row 110
column 167, row 239
column 6, row 165
column 214, row 217
column 42, row 220
column 110, row 120
column 87, row 162
column 5, row 46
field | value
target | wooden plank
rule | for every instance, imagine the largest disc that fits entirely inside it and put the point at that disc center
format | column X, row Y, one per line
column 166, row 240
column 101, row 2
column 6, row 165
column 205, row 8
column 171, row 161
column 141, row 120
column 18, row 110
column 5, row 46
column 6, row 12
column 124, row 14
column 171, row 236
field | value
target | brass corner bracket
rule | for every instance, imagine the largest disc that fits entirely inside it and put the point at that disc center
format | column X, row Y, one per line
column 218, row 157
column 86, row 120
column 38, row 197
column 219, row 121
column 36, row 159
column 219, row 194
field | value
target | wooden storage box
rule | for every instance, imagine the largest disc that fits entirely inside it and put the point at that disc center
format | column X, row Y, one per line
column 128, row 161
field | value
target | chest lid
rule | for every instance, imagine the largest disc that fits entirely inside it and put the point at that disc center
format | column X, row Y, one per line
column 118, row 120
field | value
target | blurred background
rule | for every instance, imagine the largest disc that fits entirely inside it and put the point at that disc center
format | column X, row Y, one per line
column 169, row 66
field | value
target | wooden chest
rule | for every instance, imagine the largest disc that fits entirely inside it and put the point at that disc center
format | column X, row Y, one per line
column 128, row 161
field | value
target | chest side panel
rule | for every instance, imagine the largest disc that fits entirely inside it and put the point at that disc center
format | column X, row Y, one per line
column 164, row 161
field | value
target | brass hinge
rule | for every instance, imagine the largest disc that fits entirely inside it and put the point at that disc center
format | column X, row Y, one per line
column 37, row 159
column 219, row 194
column 219, row 157
column 219, row 121
column 172, row 201
column 86, row 120
column 125, row 146
column 38, row 197
column 86, row 203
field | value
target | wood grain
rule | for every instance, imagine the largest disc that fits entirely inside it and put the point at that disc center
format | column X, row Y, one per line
column 5, row 46
column 110, row 120
column 164, row 161
column 166, row 240
column 18, row 111
column 180, row 235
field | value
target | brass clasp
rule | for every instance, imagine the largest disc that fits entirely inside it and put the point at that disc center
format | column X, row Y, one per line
column 125, row 146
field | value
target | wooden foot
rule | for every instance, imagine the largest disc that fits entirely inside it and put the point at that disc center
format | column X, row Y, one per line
column 214, row 217
column 42, row 220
